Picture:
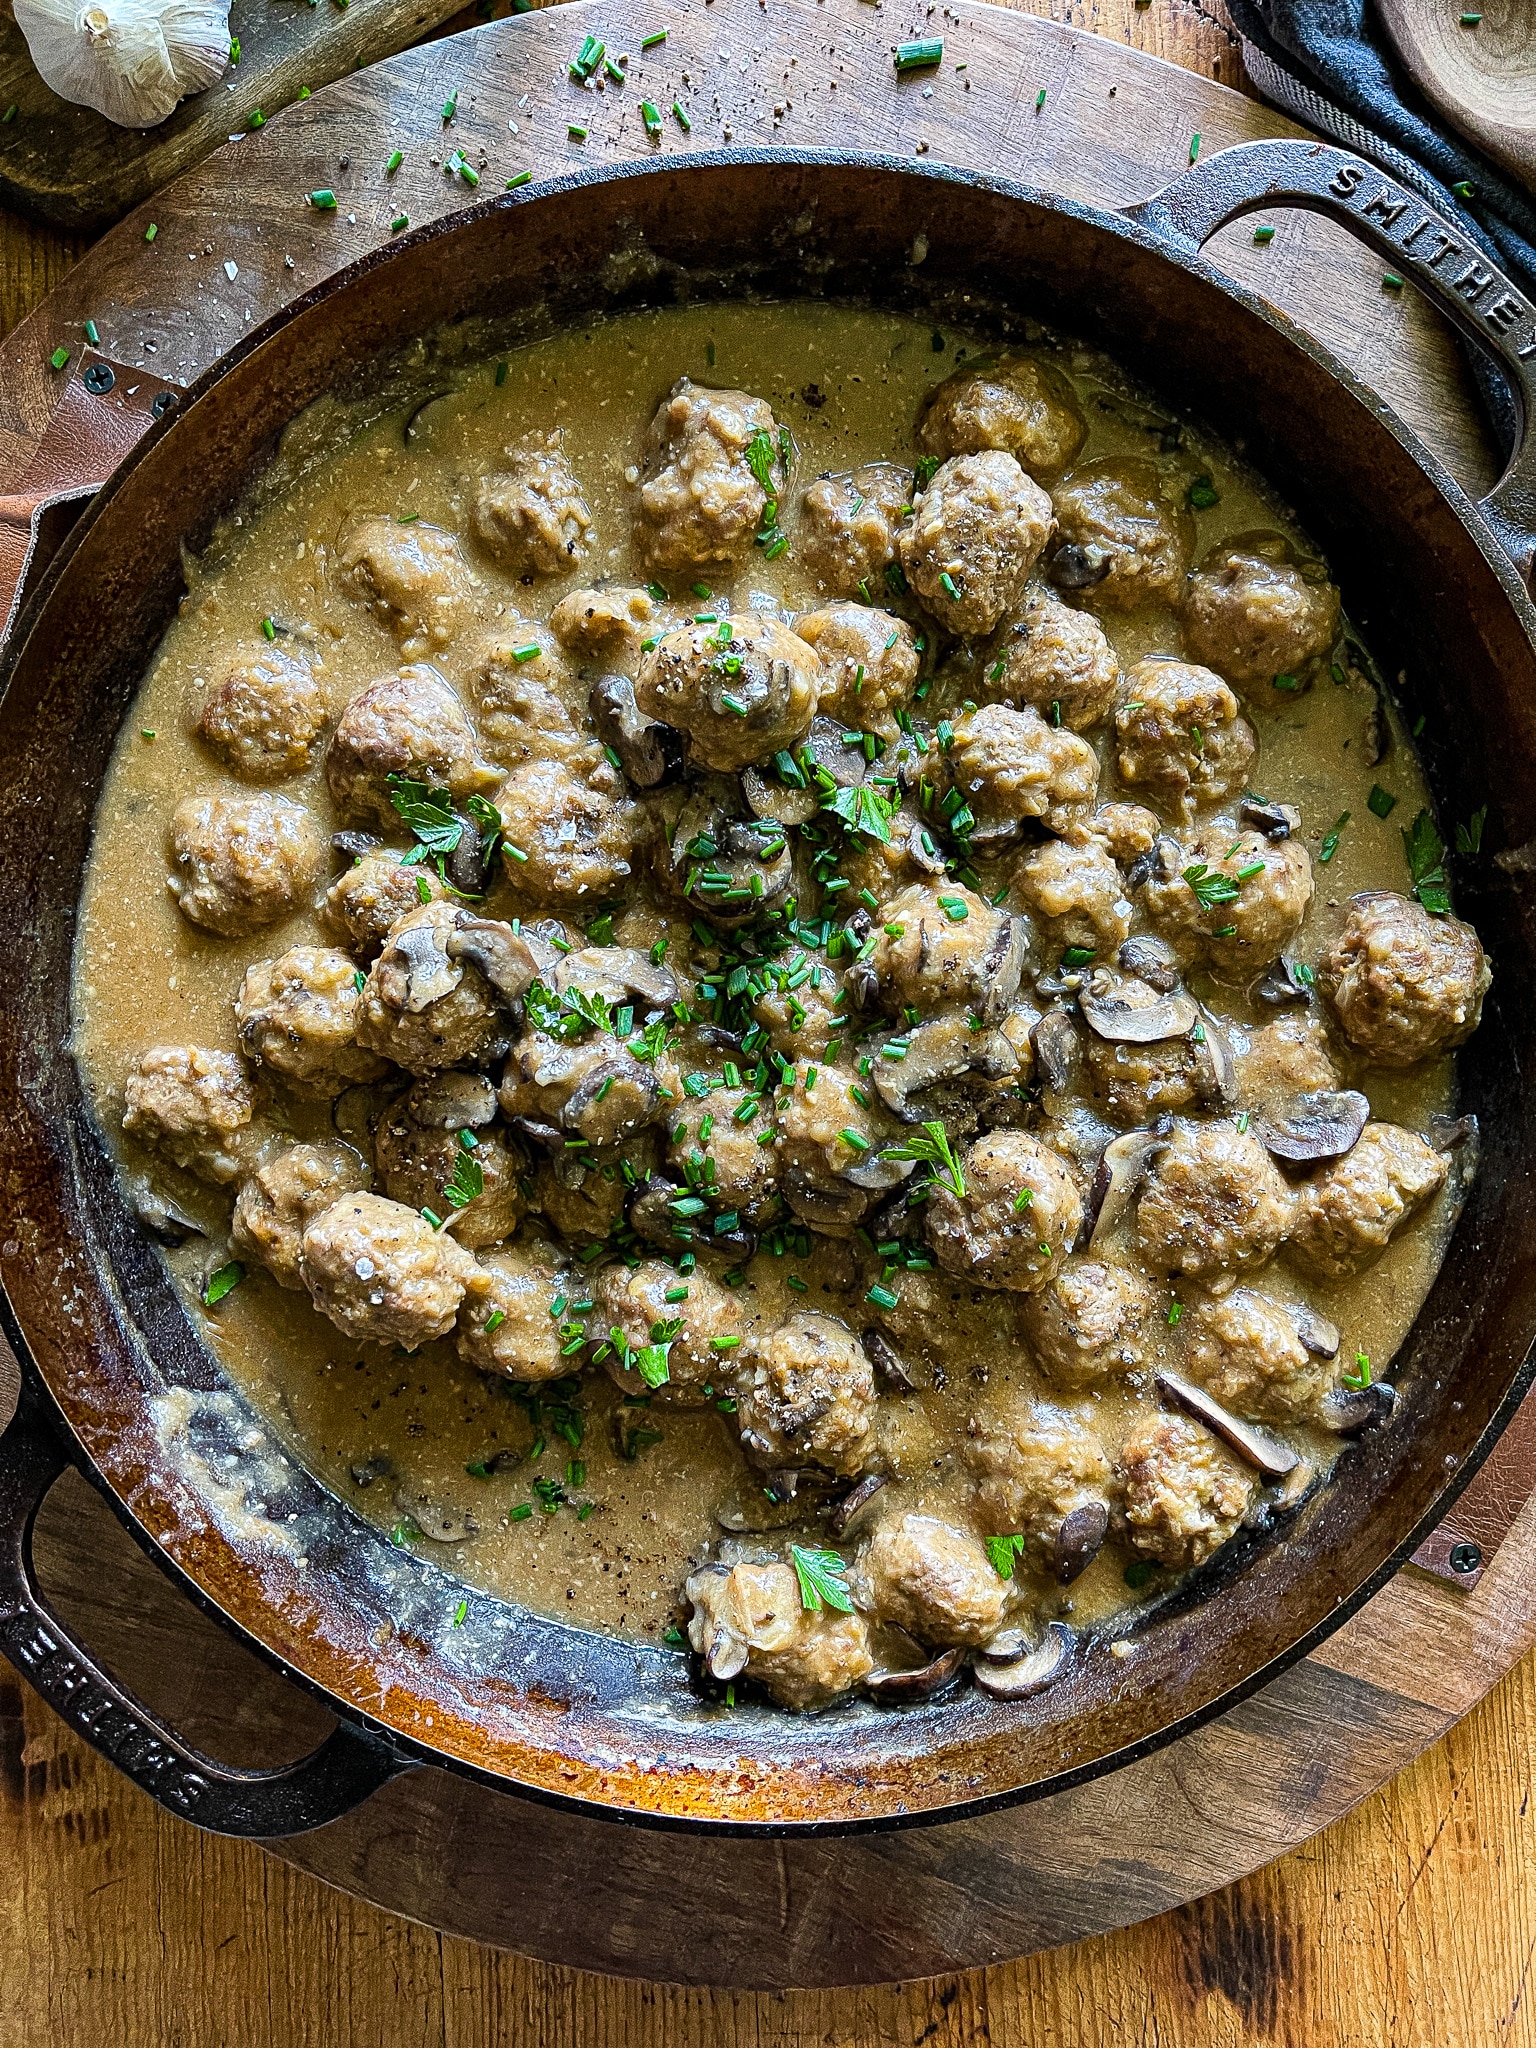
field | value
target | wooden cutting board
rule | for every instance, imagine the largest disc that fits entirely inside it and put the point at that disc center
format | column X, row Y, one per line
column 1114, row 126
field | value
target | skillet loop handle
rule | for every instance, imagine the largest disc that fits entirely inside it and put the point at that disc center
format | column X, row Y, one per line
column 1419, row 242
column 346, row 1768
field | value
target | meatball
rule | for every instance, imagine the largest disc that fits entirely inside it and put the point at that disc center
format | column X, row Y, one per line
column 1346, row 1216
column 381, row 1273
column 932, row 1580
column 975, row 534
column 829, row 1150
column 530, row 517
column 1179, row 735
column 700, row 499
column 264, row 718
column 506, row 1320
column 1137, row 1083
column 736, row 691
column 1125, row 831
column 1123, row 538
column 297, row 1016
column 606, row 628
column 570, row 834
column 1010, row 765
column 939, row 948
column 750, row 1618
column 1290, row 1057
column 1077, row 891
column 802, row 1021
column 709, row 1138
column 1215, row 1202
column 410, row 576
column 1017, row 1219
column 419, row 1163
column 593, row 1087
column 194, row 1106
column 1087, row 1324
column 583, row 1193
column 849, row 526
column 1253, row 614
column 242, row 862
column 276, row 1205
column 1018, row 403
column 418, row 1007
column 1236, row 897
column 1184, row 1493
column 1404, row 985
column 369, row 898
column 635, row 1303
column 408, row 724
column 1055, row 659
column 808, row 1396
column 1032, row 1468
column 1246, row 1351
column 869, row 662
column 521, row 690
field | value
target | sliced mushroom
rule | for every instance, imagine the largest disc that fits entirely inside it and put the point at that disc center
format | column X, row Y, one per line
column 1002, row 967
column 612, row 1098
column 1132, row 1013
column 162, row 1219
column 510, row 961
column 1215, row 1073
column 1079, row 1540
column 438, row 1522
column 1006, row 1647
column 824, row 1204
column 824, row 744
column 1326, row 1125
column 924, row 850
column 907, row 1688
column 650, row 754
column 857, row 1498
column 1295, row 1486
column 1263, row 1452
column 733, row 868
column 650, row 1214
column 887, row 1360
column 1349, row 1410
column 862, row 982
column 877, row 1171
column 414, row 969
column 613, row 972
column 355, row 844
column 1074, row 567
column 1058, row 1055
column 1317, row 1334
column 1122, row 1170
column 749, row 1512
column 550, row 1136
column 1161, row 862
column 1283, row 983
column 1151, row 961
column 1028, row 1674
column 1450, row 1133
column 1275, row 821
column 942, row 1050
column 452, row 1101
column 769, row 798
column 466, row 865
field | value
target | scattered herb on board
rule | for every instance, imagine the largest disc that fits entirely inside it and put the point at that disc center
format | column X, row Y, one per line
column 920, row 54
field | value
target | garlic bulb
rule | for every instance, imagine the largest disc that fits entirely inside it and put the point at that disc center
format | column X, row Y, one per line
column 131, row 60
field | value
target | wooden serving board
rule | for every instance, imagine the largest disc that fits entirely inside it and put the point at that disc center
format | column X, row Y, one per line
column 1272, row 1771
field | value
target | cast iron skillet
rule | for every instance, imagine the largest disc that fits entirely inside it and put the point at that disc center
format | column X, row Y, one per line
column 114, row 1377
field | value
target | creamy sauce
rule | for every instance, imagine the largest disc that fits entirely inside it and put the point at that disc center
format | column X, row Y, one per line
column 850, row 385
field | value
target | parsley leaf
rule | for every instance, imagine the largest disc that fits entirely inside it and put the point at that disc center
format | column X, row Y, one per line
column 223, row 1282
column 820, row 1573
column 564, row 1016
column 1425, row 854
column 1469, row 837
column 933, row 1149
column 468, row 1182
column 429, row 813
column 1003, row 1550
column 863, row 809
column 1209, row 886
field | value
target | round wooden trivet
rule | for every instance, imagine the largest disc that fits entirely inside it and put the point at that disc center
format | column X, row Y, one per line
column 597, row 1894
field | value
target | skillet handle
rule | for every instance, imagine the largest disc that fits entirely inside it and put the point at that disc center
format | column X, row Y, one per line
column 1419, row 243
column 346, row 1768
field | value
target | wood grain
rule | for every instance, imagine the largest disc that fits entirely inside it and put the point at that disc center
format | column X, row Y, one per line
column 1480, row 77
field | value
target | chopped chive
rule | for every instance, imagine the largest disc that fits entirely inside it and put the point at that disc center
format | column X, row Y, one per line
column 1467, row 21
column 90, row 333
column 882, row 1297
column 395, row 161
column 1194, row 147
column 681, row 114
column 521, row 1513
column 401, row 220
column 650, row 114
column 9, row 114
column 151, row 231
column 459, row 1613
column 323, row 201
column 451, row 104
column 268, row 629
column 1391, row 282
column 657, row 36
column 468, row 173
column 613, row 71
column 1040, row 100
column 255, row 118
column 576, row 132
column 59, row 358
column 1263, row 234
column 917, row 56
column 529, row 651
column 522, row 178
column 1381, row 801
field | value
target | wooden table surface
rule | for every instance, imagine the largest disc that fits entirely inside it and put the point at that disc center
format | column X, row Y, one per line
column 1412, row 1922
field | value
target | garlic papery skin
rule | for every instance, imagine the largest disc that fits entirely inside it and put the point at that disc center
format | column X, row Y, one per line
column 132, row 60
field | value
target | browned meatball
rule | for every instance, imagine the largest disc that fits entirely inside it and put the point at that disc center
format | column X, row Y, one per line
column 194, row 1106
column 1010, row 765
column 931, row 1579
column 849, row 526
column 700, row 501
column 1078, row 893
column 1236, row 897
column 297, row 1016
column 1087, row 1324
column 420, row 1162
column 1032, row 1468
column 381, row 1273
column 800, row 1021
column 1253, row 613
column 869, row 662
column 583, row 1193
column 418, row 1007
column 1246, row 1350
column 1018, row 404
column 1403, row 984
column 264, row 718
column 1345, row 1218
column 408, row 724
column 749, row 1618
column 940, row 947
column 369, row 898
column 830, row 1147
column 634, row 1301
column 974, row 535
column 1184, row 1494
column 1123, row 538
column 1215, row 1202
column 276, row 1206
column 1290, row 1057
column 1125, row 831
column 1136, row 1083
column 410, row 575
column 506, row 1324
column 1017, row 1220
column 736, row 691
column 570, row 833
column 530, row 517
column 522, row 692
column 709, row 1138
column 243, row 862
column 592, row 1086
column 808, row 1396
column 606, row 628
column 1179, row 734
column 1055, row 659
